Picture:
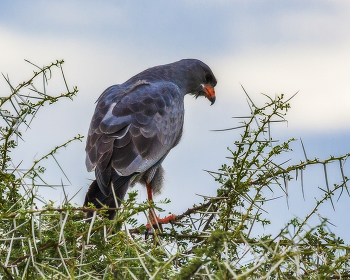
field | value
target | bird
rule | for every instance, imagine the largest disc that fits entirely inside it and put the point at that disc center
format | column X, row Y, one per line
column 134, row 127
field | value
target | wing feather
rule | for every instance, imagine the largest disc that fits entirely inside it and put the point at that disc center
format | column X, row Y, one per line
column 132, row 129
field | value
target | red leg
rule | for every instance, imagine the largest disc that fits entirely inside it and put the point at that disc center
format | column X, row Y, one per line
column 152, row 213
column 149, row 192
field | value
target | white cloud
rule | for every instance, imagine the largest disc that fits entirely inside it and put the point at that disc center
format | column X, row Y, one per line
column 320, row 74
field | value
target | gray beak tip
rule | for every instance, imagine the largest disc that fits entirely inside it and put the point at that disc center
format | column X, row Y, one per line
column 212, row 100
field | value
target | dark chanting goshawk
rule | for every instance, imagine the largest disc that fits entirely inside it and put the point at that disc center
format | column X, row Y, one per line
column 136, row 124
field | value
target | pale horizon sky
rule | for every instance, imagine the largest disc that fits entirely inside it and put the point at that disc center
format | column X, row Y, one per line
column 269, row 47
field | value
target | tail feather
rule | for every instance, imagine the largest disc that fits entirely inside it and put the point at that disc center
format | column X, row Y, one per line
column 100, row 198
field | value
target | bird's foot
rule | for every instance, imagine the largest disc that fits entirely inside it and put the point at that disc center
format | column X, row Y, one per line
column 160, row 221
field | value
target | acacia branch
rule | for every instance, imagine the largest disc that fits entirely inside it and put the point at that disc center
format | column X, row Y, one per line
column 49, row 245
column 9, row 275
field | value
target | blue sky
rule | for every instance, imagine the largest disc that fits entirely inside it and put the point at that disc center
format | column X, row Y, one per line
column 268, row 46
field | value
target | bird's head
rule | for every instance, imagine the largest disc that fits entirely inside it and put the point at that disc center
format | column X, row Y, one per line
column 201, row 80
column 207, row 88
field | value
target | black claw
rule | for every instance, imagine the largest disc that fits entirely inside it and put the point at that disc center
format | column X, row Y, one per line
column 146, row 233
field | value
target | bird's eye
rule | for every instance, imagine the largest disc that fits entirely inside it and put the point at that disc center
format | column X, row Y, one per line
column 208, row 78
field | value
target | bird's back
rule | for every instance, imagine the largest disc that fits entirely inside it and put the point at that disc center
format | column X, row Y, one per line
column 133, row 128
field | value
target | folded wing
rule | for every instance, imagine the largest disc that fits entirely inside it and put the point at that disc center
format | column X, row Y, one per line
column 133, row 129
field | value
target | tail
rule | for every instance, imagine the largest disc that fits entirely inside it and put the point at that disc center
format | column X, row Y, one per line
column 95, row 196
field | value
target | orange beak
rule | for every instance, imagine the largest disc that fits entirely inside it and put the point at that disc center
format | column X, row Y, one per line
column 210, row 93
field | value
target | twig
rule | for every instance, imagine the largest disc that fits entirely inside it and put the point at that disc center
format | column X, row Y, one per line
column 6, row 271
column 49, row 245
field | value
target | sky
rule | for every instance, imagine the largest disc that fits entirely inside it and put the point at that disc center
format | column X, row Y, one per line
column 270, row 47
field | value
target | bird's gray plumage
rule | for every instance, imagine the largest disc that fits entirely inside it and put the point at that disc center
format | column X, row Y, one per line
column 136, row 124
